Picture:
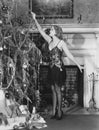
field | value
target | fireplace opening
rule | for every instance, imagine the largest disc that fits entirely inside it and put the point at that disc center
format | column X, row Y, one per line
column 72, row 90
column 73, row 86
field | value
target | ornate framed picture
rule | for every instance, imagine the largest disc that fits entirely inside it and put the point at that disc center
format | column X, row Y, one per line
column 52, row 8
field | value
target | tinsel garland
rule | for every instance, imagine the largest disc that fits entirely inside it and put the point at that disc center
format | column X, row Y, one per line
column 20, row 58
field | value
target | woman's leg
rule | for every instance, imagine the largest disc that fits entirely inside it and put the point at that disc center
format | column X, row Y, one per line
column 54, row 100
column 59, row 99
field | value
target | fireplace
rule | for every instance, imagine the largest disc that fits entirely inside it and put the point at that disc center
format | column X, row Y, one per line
column 83, row 42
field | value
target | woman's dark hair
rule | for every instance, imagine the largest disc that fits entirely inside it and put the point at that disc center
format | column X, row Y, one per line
column 47, row 31
column 59, row 31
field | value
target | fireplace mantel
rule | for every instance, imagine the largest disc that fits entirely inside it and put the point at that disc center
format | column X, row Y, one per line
column 85, row 38
column 86, row 53
column 76, row 28
column 83, row 42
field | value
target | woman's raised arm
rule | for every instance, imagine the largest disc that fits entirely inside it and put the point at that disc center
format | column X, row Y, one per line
column 42, row 32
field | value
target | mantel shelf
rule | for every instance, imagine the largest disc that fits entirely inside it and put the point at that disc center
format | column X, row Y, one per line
column 76, row 28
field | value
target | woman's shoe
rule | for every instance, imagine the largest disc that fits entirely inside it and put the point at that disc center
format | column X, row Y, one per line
column 59, row 117
column 54, row 116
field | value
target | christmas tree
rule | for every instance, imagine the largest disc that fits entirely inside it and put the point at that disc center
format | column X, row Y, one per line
column 19, row 58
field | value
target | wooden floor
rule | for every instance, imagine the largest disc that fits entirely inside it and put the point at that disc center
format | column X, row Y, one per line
column 74, row 122
column 75, row 119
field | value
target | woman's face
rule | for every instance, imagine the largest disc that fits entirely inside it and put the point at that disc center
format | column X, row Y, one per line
column 52, row 31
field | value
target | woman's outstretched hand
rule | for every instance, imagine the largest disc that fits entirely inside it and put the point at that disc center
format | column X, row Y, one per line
column 81, row 68
column 33, row 15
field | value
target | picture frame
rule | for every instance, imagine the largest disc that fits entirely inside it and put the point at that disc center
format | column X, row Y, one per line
column 52, row 9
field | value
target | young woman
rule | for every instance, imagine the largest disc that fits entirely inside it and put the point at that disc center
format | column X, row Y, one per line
column 56, row 47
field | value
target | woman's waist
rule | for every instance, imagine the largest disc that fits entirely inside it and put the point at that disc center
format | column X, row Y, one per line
column 57, row 64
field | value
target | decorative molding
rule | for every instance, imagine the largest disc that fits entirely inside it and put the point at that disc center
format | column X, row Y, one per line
column 76, row 28
column 83, row 52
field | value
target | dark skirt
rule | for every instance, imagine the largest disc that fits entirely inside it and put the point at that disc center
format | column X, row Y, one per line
column 57, row 76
